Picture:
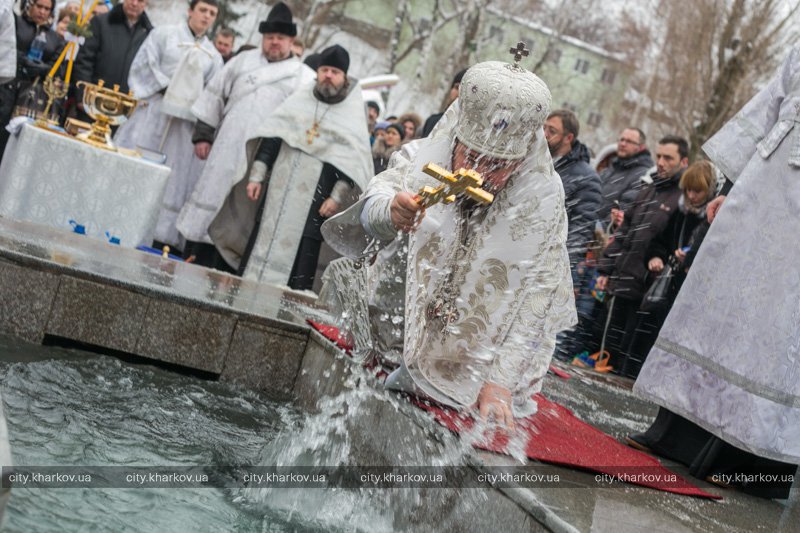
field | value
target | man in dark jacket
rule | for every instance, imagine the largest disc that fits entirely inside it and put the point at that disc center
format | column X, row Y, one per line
column 582, row 198
column 581, row 182
column 621, row 179
column 116, row 37
column 623, row 267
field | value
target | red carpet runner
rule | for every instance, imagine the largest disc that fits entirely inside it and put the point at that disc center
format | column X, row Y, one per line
column 558, row 437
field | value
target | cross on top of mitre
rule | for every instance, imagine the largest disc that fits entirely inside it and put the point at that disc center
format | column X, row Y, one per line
column 519, row 52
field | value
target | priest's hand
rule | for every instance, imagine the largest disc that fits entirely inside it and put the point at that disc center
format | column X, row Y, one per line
column 495, row 401
column 253, row 190
column 405, row 211
column 329, row 208
column 202, row 149
column 713, row 208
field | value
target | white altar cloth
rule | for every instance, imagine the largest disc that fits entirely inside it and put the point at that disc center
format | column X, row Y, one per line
column 52, row 179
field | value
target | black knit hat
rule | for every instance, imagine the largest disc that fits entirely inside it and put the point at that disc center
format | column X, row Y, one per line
column 279, row 20
column 398, row 128
column 334, row 56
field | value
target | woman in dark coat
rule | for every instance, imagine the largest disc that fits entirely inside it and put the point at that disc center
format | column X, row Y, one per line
column 676, row 244
column 36, row 18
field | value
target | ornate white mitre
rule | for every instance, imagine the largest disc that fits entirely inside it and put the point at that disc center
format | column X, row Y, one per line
column 501, row 108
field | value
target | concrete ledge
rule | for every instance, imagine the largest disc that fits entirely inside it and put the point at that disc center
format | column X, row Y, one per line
column 183, row 335
column 97, row 314
column 263, row 358
column 27, row 297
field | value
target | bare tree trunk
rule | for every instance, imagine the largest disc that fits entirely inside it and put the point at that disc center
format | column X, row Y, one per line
column 399, row 18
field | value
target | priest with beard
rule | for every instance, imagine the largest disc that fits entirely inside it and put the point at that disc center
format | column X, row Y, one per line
column 308, row 162
column 471, row 295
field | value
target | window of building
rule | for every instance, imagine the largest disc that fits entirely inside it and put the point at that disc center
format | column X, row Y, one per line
column 582, row 66
column 594, row 119
column 529, row 42
column 608, row 76
column 553, row 56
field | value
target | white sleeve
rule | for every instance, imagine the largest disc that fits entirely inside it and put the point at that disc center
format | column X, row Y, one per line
column 8, row 44
column 146, row 77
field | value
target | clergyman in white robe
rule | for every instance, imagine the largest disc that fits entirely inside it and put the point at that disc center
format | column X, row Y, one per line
column 342, row 142
column 8, row 43
column 728, row 355
column 169, row 73
column 481, row 293
column 238, row 101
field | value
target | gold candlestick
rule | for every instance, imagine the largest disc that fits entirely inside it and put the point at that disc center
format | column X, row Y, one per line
column 54, row 88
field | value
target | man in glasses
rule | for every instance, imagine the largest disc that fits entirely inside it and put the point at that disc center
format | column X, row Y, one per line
column 622, row 178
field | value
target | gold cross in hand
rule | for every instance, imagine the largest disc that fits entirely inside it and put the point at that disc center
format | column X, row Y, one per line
column 463, row 181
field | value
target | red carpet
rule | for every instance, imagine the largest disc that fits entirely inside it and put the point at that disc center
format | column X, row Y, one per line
column 558, row 437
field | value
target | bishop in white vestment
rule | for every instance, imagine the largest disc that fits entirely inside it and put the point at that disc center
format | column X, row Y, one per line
column 169, row 73
column 482, row 290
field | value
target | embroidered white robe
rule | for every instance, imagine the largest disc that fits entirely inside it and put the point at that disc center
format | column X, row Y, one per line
column 8, row 43
column 343, row 142
column 513, row 288
column 236, row 102
column 728, row 355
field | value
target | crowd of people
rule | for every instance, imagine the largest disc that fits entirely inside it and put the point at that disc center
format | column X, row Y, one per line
column 272, row 154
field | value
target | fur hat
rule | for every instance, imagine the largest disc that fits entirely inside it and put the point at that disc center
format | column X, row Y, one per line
column 279, row 20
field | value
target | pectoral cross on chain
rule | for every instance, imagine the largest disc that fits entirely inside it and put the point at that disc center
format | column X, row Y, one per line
column 312, row 132
column 463, row 181
column 519, row 52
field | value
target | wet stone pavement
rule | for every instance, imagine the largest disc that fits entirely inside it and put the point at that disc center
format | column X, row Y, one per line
column 607, row 402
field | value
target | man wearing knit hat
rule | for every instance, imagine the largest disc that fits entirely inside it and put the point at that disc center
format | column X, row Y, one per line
column 475, row 293
column 307, row 162
column 236, row 102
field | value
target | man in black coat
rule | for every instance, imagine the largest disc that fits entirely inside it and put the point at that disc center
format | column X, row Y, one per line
column 581, row 183
column 621, row 179
column 116, row 37
column 623, row 267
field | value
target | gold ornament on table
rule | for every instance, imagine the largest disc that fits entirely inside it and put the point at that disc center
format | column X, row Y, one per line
column 463, row 181
column 55, row 90
column 108, row 107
